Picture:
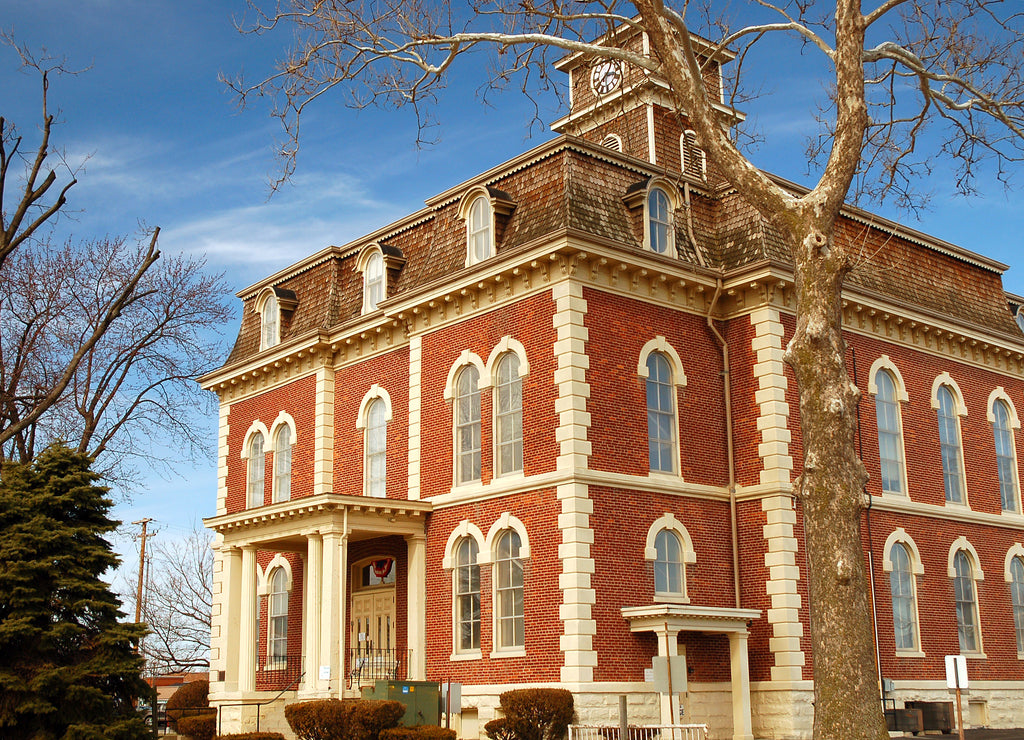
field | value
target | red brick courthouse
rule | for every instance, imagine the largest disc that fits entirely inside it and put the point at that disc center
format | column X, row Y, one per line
column 541, row 431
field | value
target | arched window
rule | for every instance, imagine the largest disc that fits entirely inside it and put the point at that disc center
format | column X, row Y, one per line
column 1006, row 457
column 659, row 221
column 890, row 435
column 669, row 570
column 376, row 448
column 269, row 322
column 508, row 415
column 949, row 441
column 256, row 471
column 966, row 604
column 283, row 464
column 480, row 230
column 467, row 425
column 1017, row 599
column 904, row 608
column 277, row 616
column 661, row 414
column 373, row 282
column 467, row 596
column 510, row 628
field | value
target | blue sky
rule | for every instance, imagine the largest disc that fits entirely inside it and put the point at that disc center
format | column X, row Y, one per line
column 166, row 145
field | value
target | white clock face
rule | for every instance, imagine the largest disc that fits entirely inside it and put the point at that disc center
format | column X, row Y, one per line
column 606, row 76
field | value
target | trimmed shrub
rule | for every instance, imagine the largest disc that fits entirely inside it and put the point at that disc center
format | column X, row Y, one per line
column 350, row 719
column 190, row 696
column 203, row 727
column 251, row 736
column 419, row 732
column 532, row 714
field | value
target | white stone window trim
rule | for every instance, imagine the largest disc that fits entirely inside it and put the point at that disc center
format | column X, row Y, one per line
column 504, row 346
column 376, row 392
column 464, row 530
column 361, row 266
column 660, row 345
column 669, row 522
column 256, row 426
column 1016, row 551
column 284, row 419
column 945, row 379
column 502, row 524
column 962, row 544
column 999, row 394
column 263, row 574
column 674, row 203
column 900, row 536
column 884, row 364
column 465, row 358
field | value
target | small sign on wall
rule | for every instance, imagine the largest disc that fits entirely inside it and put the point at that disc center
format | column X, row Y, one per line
column 325, row 673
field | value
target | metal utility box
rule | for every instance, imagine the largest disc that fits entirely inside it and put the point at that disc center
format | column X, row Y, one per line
column 422, row 699
column 904, row 720
column 935, row 715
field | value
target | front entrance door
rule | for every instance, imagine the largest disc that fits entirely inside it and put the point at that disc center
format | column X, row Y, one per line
column 373, row 636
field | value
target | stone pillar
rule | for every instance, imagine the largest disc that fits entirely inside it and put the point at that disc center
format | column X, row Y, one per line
column 416, row 607
column 332, row 609
column 231, row 614
column 740, row 678
column 668, row 645
column 313, row 584
column 247, row 636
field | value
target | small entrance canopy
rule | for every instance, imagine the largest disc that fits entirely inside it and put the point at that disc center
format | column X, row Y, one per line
column 668, row 620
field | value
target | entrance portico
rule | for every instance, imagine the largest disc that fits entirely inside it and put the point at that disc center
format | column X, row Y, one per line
column 668, row 620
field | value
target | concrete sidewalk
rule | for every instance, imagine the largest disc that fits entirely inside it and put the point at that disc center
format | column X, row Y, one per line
column 976, row 735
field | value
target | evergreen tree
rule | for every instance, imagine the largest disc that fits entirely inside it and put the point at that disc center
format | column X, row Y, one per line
column 68, row 668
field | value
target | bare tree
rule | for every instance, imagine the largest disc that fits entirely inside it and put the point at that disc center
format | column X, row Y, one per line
column 951, row 66
column 177, row 604
column 99, row 340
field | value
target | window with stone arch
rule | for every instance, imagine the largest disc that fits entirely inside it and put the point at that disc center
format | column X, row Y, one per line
column 277, row 616
column 904, row 601
column 669, row 548
column 947, row 404
column 508, row 415
column 965, row 573
column 468, row 443
column 509, row 612
column 374, row 415
column 662, row 371
column 255, row 471
column 1015, row 577
column 283, row 463
column 466, row 580
column 1003, row 417
column 887, row 386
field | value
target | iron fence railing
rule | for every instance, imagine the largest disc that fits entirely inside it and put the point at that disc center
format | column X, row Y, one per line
column 275, row 671
column 639, row 732
column 366, row 665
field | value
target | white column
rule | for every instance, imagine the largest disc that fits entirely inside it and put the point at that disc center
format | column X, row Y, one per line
column 313, row 584
column 247, row 622
column 231, row 611
column 740, row 675
column 416, row 606
column 323, row 429
column 668, row 645
column 332, row 609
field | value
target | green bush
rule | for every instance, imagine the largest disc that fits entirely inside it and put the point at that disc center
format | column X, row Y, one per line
column 532, row 714
column 251, row 736
column 203, row 727
column 350, row 719
column 419, row 732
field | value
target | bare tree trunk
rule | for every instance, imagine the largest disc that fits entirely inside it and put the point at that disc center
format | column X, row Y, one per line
column 831, row 492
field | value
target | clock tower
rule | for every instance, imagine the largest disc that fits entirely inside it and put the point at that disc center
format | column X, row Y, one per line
column 629, row 109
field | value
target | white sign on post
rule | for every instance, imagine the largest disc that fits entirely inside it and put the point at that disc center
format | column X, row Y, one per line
column 956, row 672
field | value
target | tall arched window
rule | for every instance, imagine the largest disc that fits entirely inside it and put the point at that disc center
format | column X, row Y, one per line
column 669, row 570
column 966, row 603
column 256, row 471
column 904, row 608
column 283, row 464
column 949, row 441
column 890, row 435
column 467, row 596
column 510, row 627
column 1006, row 456
column 376, row 448
column 661, row 414
column 373, row 282
column 1017, row 599
column 467, row 425
column 277, row 616
column 508, row 415
column 269, row 322
column 479, row 230
column 659, row 221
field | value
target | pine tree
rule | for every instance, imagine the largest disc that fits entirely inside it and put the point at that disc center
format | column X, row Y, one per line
column 68, row 668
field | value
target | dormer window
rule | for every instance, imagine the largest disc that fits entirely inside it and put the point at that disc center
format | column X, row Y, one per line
column 270, row 322
column 483, row 210
column 695, row 161
column 373, row 282
column 659, row 221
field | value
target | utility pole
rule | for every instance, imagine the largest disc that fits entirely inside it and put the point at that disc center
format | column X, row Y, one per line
column 142, row 566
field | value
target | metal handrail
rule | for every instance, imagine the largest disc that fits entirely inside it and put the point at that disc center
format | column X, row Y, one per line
column 259, row 704
column 639, row 732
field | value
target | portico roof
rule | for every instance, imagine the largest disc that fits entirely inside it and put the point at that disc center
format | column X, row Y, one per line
column 688, row 618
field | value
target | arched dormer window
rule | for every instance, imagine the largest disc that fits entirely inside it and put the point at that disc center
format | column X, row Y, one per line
column 270, row 322
column 480, row 209
column 659, row 221
column 693, row 158
column 373, row 282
